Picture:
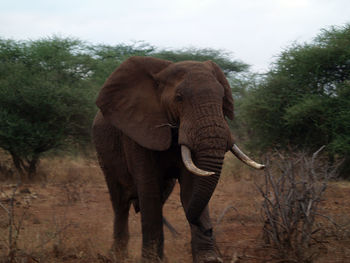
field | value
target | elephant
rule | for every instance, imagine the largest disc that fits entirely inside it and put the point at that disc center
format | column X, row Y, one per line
column 158, row 122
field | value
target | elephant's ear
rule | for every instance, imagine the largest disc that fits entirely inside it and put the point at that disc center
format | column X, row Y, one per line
column 228, row 100
column 129, row 100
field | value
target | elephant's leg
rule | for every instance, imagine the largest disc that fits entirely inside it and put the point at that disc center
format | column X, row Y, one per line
column 168, row 188
column 107, row 140
column 150, row 200
column 148, row 180
column 121, row 227
column 152, row 227
column 115, row 171
column 120, row 198
column 204, row 248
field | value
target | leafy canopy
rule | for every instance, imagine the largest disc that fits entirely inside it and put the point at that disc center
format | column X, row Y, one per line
column 304, row 100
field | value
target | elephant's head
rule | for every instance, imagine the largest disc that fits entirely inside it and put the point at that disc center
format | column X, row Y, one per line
column 147, row 97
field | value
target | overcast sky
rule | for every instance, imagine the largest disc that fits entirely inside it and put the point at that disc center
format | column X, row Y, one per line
column 254, row 31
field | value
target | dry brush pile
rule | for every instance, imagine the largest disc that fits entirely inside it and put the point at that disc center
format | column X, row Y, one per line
column 292, row 191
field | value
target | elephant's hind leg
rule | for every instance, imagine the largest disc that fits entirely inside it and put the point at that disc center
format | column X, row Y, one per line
column 107, row 140
column 121, row 207
column 114, row 170
column 120, row 198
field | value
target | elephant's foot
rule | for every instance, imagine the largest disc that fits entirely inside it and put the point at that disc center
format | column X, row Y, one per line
column 204, row 248
column 207, row 256
column 153, row 253
column 152, row 259
column 118, row 256
column 119, row 251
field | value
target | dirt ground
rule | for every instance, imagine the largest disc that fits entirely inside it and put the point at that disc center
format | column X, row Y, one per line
column 68, row 218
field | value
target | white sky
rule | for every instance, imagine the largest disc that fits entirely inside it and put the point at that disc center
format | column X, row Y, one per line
column 255, row 31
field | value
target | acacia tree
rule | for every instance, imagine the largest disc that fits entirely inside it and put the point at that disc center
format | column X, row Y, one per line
column 45, row 98
column 108, row 57
column 221, row 57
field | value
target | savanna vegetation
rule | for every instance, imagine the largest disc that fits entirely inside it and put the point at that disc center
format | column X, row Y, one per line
column 48, row 88
column 301, row 105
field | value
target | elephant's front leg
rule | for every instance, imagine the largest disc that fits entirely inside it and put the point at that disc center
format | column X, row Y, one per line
column 152, row 227
column 204, row 248
column 147, row 179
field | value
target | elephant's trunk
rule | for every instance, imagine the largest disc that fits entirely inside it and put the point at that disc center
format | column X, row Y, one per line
column 202, row 192
column 208, row 159
column 205, row 131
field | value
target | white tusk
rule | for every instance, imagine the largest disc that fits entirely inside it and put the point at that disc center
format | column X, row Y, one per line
column 245, row 159
column 187, row 160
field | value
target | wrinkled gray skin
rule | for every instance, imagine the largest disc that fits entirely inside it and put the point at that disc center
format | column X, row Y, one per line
column 148, row 109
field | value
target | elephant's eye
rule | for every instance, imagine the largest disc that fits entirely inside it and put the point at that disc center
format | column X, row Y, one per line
column 178, row 97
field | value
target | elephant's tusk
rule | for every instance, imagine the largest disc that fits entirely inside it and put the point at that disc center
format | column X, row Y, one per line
column 187, row 160
column 245, row 159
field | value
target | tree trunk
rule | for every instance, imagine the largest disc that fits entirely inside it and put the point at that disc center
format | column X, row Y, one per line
column 32, row 167
column 18, row 163
column 25, row 171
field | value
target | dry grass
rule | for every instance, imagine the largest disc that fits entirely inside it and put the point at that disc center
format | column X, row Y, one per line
column 41, row 211
column 62, row 170
column 69, row 217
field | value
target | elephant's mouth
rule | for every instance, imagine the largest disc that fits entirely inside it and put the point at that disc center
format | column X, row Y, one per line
column 188, row 162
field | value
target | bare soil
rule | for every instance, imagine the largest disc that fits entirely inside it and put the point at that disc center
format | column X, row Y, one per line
column 68, row 218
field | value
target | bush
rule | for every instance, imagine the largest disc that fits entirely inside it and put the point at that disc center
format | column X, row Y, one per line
column 304, row 101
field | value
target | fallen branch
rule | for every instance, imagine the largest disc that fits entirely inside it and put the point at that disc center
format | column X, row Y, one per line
column 170, row 227
column 218, row 221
